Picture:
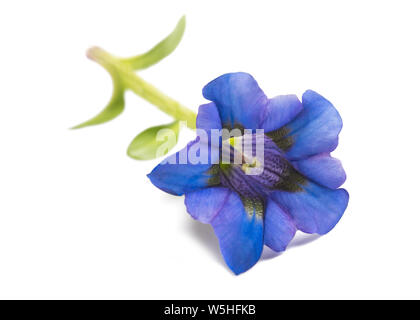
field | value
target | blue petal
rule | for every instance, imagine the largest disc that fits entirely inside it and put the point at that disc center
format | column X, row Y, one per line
column 208, row 117
column 239, row 99
column 204, row 204
column 323, row 169
column 280, row 111
column 279, row 228
column 240, row 235
column 315, row 130
column 315, row 209
column 177, row 174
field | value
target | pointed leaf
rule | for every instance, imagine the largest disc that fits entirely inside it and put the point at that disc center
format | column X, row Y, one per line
column 160, row 51
column 154, row 142
column 114, row 107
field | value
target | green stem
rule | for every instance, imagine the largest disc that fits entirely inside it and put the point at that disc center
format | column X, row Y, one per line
column 132, row 81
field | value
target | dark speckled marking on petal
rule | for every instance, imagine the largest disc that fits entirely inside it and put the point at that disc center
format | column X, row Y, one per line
column 214, row 177
column 236, row 125
column 254, row 206
column 292, row 180
column 281, row 138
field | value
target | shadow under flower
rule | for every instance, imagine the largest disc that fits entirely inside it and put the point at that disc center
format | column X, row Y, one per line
column 205, row 235
column 303, row 238
column 300, row 239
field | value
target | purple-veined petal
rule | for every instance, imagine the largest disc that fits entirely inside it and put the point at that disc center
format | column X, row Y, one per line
column 185, row 171
column 238, row 98
column 315, row 130
column 315, row 209
column 208, row 117
column 322, row 169
column 204, row 204
column 279, row 228
column 280, row 111
column 240, row 234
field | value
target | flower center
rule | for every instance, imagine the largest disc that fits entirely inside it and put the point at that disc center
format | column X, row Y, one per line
column 253, row 174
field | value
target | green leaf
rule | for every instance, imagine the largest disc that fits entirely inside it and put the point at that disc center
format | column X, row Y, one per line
column 154, row 142
column 114, row 107
column 160, row 51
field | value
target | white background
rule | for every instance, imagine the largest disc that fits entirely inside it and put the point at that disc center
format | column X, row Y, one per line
column 79, row 219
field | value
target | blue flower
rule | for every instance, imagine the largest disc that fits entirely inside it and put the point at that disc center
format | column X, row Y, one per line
column 296, row 187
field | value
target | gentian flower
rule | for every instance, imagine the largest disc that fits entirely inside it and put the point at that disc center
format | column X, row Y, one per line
column 295, row 188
